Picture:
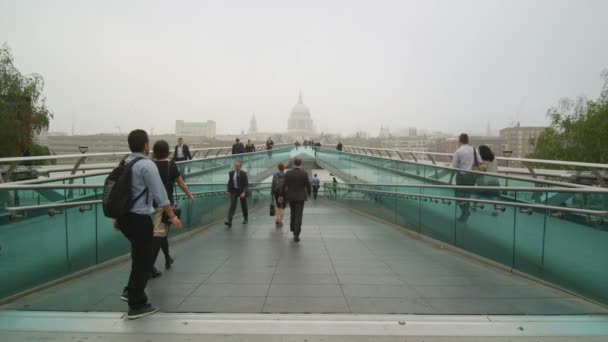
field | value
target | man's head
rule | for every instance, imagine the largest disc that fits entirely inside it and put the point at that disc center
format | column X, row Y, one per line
column 463, row 139
column 237, row 165
column 238, row 140
column 180, row 141
column 315, row 175
column 297, row 162
column 139, row 142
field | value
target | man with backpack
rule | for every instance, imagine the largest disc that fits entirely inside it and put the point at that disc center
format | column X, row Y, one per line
column 129, row 194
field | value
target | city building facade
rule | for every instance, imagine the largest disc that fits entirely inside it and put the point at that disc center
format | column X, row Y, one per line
column 519, row 139
column 195, row 129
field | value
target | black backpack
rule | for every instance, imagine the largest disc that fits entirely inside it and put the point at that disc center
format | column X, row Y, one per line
column 117, row 199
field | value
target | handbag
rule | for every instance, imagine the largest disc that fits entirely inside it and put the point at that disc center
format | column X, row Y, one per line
column 477, row 166
column 176, row 210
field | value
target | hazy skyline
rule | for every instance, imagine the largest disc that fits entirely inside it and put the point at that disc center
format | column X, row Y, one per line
column 441, row 65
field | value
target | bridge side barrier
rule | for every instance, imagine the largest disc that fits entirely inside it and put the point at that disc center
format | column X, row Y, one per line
column 44, row 243
column 562, row 244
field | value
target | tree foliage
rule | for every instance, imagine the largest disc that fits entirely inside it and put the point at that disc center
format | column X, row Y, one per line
column 578, row 131
column 23, row 110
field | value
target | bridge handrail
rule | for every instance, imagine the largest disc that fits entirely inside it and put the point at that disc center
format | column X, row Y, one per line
column 15, row 161
column 550, row 208
column 526, row 160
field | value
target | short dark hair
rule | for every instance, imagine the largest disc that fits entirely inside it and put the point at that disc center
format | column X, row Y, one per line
column 297, row 161
column 161, row 149
column 138, row 140
column 463, row 138
column 315, row 175
column 237, row 140
column 486, row 153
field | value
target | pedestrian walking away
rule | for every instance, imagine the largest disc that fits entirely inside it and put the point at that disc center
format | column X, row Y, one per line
column 238, row 147
column 238, row 185
column 316, row 184
column 278, row 181
column 145, row 187
column 295, row 191
column 169, row 174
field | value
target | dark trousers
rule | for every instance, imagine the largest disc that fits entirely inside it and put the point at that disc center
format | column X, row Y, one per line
column 140, row 232
column 465, row 179
column 234, row 196
column 161, row 243
column 315, row 192
column 297, row 211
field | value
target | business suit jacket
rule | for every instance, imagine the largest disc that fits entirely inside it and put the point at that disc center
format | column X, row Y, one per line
column 243, row 185
column 186, row 151
column 296, row 185
column 238, row 148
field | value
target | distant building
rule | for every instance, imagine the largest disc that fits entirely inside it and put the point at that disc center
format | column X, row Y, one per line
column 412, row 132
column 195, row 129
column 300, row 124
column 253, row 126
column 519, row 139
column 384, row 132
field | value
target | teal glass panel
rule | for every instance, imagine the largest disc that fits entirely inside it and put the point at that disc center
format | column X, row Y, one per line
column 32, row 252
column 81, row 237
column 436, row 217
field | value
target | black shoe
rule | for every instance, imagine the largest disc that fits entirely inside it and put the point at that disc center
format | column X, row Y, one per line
column 168, row 263
column 155, row 273
column 229, row 224
column 125, row 296
column 245, row 221
column 146, row 310
column 296, row 239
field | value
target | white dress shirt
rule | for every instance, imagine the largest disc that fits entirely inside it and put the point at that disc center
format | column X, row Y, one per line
column 464, row 157
column 180, row 151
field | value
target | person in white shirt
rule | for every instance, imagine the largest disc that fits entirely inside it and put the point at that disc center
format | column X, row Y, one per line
column 465, row 158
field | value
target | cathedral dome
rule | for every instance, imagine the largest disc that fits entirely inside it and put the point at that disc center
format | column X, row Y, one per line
column 300, row 110
column 300, row 121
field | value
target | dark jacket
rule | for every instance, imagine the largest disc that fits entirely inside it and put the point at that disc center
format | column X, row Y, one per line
column 243, row 185
column 186, row 151
column 296, row 185
column 250, row 148
column 238, row 148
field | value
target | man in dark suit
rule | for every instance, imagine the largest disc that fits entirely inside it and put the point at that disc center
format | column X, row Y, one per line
column 295, row 190
column 238, row 147
column 237, row 189
column 182, row 151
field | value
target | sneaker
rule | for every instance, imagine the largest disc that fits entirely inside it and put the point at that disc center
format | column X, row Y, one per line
column 155, row 273
column 168, row 263
column 125, row 296
column 146, row 310
column 296, row 239
column 245, row 221
column 229, row 224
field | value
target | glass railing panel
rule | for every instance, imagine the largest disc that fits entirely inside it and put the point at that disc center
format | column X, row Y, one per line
column 408, row 207
column 487, row 230
column 574, row 246
column 33, row 252
column 81, row 236
column 436, row 217
column 110, row 243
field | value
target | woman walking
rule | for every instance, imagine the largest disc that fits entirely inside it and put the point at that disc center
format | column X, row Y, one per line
column 169, row 173
column 278, row 180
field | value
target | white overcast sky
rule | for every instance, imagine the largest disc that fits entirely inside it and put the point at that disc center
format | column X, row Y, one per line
column 442, row 65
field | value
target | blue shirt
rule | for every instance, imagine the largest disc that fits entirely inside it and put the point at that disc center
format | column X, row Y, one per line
column 316, row 181
column 145, row 176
